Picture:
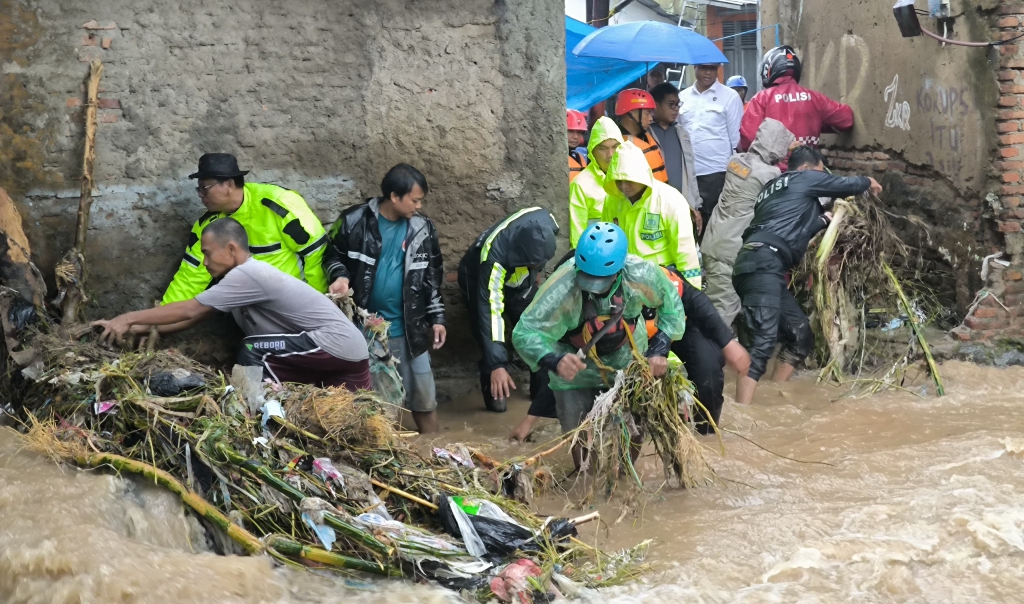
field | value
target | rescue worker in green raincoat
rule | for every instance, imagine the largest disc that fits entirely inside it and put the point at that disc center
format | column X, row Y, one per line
column 282, row 230
column 601, row 284
column 656, row 219
column 586, row 191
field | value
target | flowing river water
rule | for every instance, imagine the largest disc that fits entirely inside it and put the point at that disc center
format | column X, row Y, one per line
column 917, row 500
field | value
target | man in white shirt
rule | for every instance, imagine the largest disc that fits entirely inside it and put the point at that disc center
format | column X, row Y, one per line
column 711, row 112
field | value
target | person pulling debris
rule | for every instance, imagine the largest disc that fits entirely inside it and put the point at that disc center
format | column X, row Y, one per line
column 498, row 279
column 282, row 230
column 295, row 333
column 787, row 214
column 582, row 325
column 746, row 174
column 586, row 191
column 656, row 219
column 388, row 255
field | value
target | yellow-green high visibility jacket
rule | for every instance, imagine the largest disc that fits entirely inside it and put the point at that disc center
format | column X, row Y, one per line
column 658, row 225
column 282, row 230
column 586, row 191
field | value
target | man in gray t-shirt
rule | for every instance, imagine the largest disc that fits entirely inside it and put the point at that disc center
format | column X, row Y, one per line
column 293, row 331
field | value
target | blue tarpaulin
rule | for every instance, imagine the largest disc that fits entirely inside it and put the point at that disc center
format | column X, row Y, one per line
column 589, row 80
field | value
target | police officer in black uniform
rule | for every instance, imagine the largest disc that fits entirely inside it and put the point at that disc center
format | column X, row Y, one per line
column 498, row 280
column 787, row 214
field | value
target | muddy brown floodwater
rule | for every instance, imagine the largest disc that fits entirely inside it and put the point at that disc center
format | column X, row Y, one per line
column 922, row 500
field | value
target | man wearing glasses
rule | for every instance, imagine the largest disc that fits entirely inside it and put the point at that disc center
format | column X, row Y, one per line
column 676, row 147
column 282, row 230
column 711, row 113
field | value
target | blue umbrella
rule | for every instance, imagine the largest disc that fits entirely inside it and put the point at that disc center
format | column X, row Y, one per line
column 650, row 42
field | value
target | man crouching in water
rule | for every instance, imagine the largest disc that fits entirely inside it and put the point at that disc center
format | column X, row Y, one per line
column 294, row 332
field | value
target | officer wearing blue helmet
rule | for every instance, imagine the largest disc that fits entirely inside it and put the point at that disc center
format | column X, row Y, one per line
column 582, row 325
column 739, row 84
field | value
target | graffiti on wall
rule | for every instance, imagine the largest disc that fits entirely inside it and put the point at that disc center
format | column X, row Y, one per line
column 853, row 63
column 898, row 115
column 946, row 108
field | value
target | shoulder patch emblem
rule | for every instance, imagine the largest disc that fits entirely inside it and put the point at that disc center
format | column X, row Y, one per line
column 739, row 169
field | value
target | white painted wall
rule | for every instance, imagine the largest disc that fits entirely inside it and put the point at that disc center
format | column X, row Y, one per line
column 577, row 9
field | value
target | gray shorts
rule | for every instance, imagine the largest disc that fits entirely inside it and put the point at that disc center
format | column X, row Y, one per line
column 573, row 405
column 417, row 377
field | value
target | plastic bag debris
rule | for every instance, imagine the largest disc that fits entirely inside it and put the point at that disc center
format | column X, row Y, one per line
column 512, row 581
column 174, row 382
column 271, row 409
column 323, row 468
column 461, row 458
column 484, row 535
column 21, row 313
column 101, row 407
column 313, row 509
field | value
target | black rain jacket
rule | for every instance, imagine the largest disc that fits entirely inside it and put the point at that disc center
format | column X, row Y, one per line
column 499, row 273
column 787, row 212
column 354, row 249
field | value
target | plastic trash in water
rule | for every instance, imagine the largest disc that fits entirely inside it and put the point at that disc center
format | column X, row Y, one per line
column 272, row 408
column 512, row 583
column 325, row 534
column 462, row 460
column 895, row 324
column 324, row 468
column 103, row 406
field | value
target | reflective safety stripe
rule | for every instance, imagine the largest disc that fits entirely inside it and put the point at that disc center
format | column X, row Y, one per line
column 496, row 296
column 191, row 260
column 312, row 247
column 264, row 249
column 418, row 266
column 486, row 249
column 518, row 277
column 362, row 258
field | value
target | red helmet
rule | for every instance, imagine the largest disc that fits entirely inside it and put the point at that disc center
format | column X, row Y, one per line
column 633, row 98
column 575, row 120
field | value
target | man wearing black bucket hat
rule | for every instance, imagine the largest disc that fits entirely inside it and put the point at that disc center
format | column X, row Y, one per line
column 282, row 230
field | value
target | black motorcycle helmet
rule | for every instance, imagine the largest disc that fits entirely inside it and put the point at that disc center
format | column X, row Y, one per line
column 777, row 62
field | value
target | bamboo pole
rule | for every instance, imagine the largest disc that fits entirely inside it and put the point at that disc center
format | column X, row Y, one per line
column 402, row 493
column 89, row 158
column 70, row 272
column 822, row 296
column 247, row 540
column 289, row 548
column 916, row 327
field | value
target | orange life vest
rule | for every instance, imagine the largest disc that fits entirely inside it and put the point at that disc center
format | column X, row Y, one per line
column 576, row 164
column 652, row 321
column 653, row 154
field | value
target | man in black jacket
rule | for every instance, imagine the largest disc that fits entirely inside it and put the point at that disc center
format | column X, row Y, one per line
column 498, row 279
column 388, row 254
column 787, row 214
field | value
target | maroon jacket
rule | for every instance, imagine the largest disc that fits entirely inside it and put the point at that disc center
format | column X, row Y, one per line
column 803, row 112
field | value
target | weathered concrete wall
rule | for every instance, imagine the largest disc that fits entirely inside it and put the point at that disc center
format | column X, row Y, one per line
column 321, row 97
column 926, row 119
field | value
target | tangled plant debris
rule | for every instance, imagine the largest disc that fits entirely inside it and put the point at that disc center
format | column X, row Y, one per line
column 310, row 476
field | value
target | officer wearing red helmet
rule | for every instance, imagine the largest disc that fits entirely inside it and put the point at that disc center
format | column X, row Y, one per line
column 634, row 112
column 576, row 124
column 805, row 113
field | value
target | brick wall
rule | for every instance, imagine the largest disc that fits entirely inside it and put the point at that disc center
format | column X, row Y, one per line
column 998, row 310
